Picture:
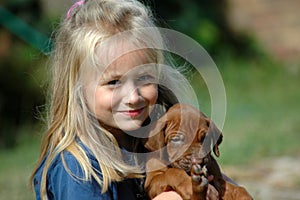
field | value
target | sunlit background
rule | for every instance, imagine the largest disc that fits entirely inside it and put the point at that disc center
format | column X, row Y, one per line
column 254, row 43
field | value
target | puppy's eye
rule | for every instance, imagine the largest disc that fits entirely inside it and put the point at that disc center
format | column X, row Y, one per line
column 177, row 139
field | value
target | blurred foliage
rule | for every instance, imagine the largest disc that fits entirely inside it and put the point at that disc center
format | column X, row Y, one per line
column 21, row 82
column 262, row 117
column 22, row 71
column 206, row 22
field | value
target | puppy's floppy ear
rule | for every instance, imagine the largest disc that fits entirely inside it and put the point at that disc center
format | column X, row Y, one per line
column 217, row 137
column 156, row 139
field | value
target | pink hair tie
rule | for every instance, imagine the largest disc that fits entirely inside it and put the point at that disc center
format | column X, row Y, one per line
column 78, row 3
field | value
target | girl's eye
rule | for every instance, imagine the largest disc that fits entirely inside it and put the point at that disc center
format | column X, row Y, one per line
column 147, row 79
column 113, row 82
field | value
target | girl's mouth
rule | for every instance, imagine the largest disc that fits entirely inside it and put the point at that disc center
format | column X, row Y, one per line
column 134, row 113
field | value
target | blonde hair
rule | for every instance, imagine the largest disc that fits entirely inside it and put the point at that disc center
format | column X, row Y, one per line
column 69, row 117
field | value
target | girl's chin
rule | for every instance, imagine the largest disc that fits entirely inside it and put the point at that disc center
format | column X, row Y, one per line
column 137, row 129
column 130, row 126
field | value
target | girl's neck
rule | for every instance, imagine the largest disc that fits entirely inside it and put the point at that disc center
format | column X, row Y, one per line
column 124, row 139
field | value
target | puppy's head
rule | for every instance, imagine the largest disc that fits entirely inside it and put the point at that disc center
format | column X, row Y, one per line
column 186, row 133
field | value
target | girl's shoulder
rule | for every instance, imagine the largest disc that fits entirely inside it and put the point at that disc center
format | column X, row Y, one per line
column 67, row 163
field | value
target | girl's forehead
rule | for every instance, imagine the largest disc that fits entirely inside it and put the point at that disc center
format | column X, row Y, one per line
column 122, row 48
column 137, row 57
column 135, row 62
column 123, row 52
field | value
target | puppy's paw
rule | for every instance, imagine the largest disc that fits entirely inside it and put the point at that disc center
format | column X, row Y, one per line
column 199, row 178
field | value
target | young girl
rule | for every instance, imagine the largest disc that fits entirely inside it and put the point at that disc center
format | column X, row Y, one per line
column 107, row 75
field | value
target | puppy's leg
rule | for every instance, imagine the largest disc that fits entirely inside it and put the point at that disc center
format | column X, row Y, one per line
column 233, row 192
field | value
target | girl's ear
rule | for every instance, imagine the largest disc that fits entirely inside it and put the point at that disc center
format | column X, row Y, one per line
column 156, row 139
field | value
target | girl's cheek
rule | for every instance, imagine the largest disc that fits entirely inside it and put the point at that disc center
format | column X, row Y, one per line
column 103, row 100
column 150, row 92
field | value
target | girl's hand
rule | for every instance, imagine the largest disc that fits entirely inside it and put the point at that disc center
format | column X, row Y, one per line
column 171, row 195
column 212, row 194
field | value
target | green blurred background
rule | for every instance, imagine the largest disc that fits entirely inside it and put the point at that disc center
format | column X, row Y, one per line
column 255, row 45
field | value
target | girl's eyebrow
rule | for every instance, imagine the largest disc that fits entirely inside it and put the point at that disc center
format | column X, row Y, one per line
column 115, row 74
column 109, row 74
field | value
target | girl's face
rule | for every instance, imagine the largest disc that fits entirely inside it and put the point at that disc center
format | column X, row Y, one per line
column 126, row 92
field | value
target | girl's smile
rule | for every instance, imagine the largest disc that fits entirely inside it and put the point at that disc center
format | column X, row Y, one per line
column 133, row 113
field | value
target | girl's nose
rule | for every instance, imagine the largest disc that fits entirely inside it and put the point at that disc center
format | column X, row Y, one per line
column 134, row 96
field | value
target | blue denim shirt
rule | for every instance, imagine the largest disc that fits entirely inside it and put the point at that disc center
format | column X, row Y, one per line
column 62, row 186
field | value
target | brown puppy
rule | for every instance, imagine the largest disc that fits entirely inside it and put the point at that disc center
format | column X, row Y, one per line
column 183, row 139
